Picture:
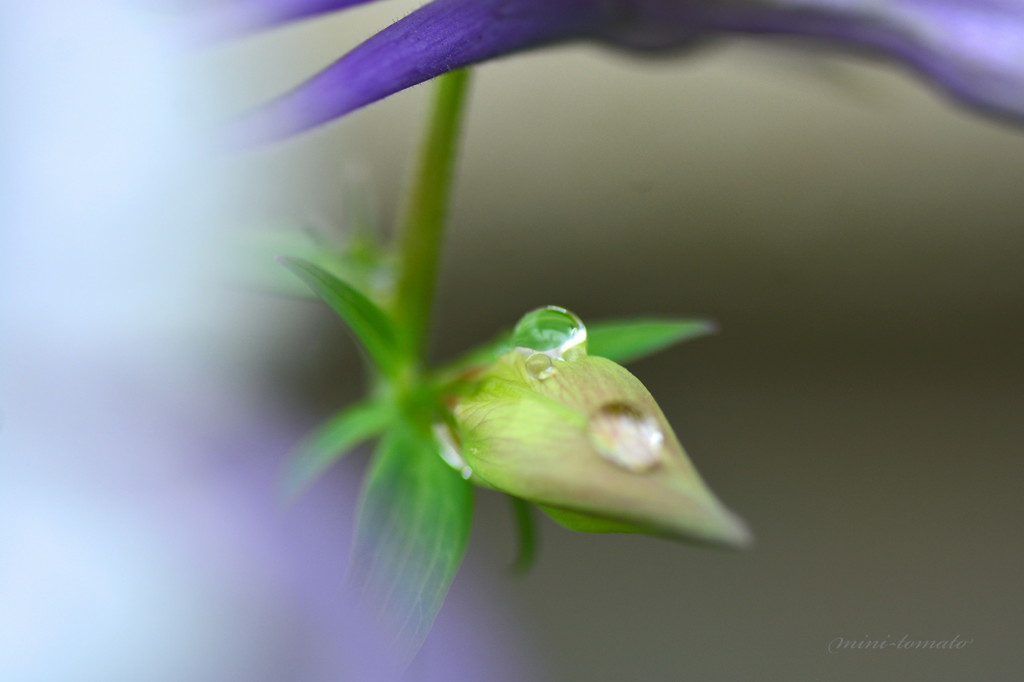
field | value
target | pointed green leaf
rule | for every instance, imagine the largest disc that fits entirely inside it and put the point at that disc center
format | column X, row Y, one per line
column 369, row 323
column 414, row 521
column 624, row 341
column 332, row 440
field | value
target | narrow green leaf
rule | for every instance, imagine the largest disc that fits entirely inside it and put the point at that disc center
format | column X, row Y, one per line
column 414, row 521
column 359, row 260
column 332, row 440
column 369, row 323
column 527, row 526
column 252, row 263
column 621, row 341
column 624, row 341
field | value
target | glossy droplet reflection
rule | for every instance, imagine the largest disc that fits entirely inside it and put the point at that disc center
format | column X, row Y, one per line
column 551, row 331
column 627, row 437
column 539, row 366
column 449, row 450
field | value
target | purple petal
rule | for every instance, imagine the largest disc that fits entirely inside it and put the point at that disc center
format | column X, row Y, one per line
column 443, row 36
column 972, row 48
column 238, row 17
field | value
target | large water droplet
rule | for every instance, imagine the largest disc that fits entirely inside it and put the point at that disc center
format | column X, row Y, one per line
column 449, row 450
column 627, row 437
column 553, row 331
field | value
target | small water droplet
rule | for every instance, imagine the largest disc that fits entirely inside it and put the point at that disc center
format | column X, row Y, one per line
column 552, row 331
column 627, row 437
column 449, row 450
column 539, row 366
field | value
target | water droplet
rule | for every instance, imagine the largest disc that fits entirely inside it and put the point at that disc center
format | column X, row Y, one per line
column 552, row 331
column 449, row 450
column 539, row 366
column 627, row 437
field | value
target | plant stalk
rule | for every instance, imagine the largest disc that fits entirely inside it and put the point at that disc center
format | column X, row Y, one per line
column 421, row 227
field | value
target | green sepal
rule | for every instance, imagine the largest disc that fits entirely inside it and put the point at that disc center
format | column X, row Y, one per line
column 625, row 341
column 372, row 326
column 451, row 374
column 588, row 523
column 332, row 440
column 591, row 523
column 414, row 522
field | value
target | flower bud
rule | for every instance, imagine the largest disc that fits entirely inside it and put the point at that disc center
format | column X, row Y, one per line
column 581, row 437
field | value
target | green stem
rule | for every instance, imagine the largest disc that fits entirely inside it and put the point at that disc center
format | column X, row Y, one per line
column 422, row 224
column 527, row 535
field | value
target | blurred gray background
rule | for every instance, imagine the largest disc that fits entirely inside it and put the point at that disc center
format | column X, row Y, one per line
column 860, row 243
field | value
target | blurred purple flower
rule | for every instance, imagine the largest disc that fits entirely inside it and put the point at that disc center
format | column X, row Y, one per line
column 141, row 534
column 974, row 49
